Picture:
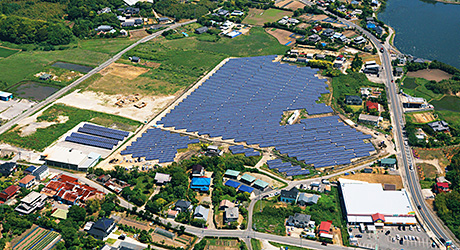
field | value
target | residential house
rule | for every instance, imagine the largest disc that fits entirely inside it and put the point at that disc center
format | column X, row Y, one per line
column 128, row 23
column 328, row 32
column 289, row 196
column 317, row 29
column 439, row 126
column 320, row 56
column 103, row 28
column 201, row 213
column 288, row 21
column 369, row 119
column 31, row 202
column 398, row 71
column 305, row 199
column 45, row 77
column 441, row 187
column 231, row 214
column 337, row 64
column 213, row 150
column 7, row 168
column 353, row 100
column 237, row 13
column 201, row 30
column 388, row 162
column 298, row 220
column 103, row 178
column 200, row 184
column 226, row 204
column 197, row 171
column 372, row 106
column 161, row 178
column 314, row 38
column 164, row 20
column 27, row 182
column 102, row 228
column 303, row 59
column 182, row 205
column 222, row 12
column 104, row 10
column 172, row 214
column 359, row 40
column 9, row 192
column 138, row 21
column 40, row 173
column 324, row 229
column 371, row 69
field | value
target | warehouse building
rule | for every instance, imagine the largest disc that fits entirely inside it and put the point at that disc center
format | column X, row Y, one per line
column 5, row 96
column 369, row 203
column 71, row 158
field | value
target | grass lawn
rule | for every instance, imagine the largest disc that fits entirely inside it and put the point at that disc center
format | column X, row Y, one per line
column 108, row 46
column 410, row 83
column 256, row 244
column 450, row 103
column 284, row 246
column 355, row 107
column 426, row 184
column 259, row 16
column 428, row 169
column 44, row 137
column 267, row 223
column 5, row 52
column 110, row 241
column 451, row 117
column 416, row 87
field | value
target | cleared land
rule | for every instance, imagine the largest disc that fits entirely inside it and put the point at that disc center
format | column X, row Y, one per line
column 259, row 16
column 281, row 35
column 377, row 178
column 43, row 137
column 430, row 74
column 290, row 4
column 421, row 117
column 426, row 170
column 124, row 71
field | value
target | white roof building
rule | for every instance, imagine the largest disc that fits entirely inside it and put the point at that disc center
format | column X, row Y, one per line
column 369, row 203
column 71, row 158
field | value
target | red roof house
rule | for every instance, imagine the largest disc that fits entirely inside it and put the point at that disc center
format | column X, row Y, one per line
column 9, row 192
column 66, row 178
column 378, row 218
column 372, row 106
column 325, row 227
column 442, row 187
column 317, row 29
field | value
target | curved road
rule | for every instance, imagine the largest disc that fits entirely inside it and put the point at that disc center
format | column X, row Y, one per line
column 67, row 88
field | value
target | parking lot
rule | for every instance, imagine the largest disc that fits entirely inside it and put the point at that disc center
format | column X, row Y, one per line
column 387, row 238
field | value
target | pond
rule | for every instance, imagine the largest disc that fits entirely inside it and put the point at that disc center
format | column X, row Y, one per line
column 34, row 91
column 72, row 66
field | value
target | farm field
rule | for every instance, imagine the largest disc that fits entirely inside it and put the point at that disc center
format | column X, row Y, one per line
column 420, row 117
column 451, row 117
column 416, row 87
column 37, row 239
column 282, row 36
column 450, row 103
column 259, row 16
column 6, row 52
column 60, row 119
column 290, row 4
column 430, row 74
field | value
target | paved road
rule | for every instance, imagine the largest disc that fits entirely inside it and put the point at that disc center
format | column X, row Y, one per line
column 64, row 90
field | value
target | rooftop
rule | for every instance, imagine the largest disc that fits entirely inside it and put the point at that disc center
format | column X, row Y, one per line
column 248, row 178
column 28, row 178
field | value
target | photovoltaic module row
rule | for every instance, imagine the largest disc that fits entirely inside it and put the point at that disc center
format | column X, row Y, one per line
column 89, row 142
column 245, row 100
column 157, row 144
column 104, row 129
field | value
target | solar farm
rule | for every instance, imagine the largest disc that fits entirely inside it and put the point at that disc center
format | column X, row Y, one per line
column 97, row 136
column 244, row 101
column 157, row 144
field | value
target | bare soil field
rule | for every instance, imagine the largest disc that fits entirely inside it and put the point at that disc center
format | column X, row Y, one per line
column 423, row 117
column 350, row 33
column 124, row 71
column 312, row 18
column 281, row 35
column 369, row 57
column 133, row 223
column 377, row 178
column 290, row 4
column 136, row 34
column 221, row 244
column 430, row 74
column 259, row 16
column 106, row 103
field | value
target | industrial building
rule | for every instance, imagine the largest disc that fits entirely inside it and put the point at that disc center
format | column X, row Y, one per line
column 71, row 158
column 368, row 203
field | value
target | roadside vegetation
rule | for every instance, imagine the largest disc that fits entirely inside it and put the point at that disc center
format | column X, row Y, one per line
column 43, row 137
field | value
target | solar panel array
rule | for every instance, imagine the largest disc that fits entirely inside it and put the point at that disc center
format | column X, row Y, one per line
column 157, row 144
column 97, row 136
column 286, row 168
column 240, row 149
column 245, row 99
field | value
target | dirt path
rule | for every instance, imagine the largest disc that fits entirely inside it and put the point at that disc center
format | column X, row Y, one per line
column 434, row 162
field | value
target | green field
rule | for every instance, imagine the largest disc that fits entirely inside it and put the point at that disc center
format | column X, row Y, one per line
column 256, row 244
column 410, row 83
column 43, row 137
column 450, row 103
column 284, row 246
column 5, row 52
column 416, row 87
column 259, row 16
column 451, row 117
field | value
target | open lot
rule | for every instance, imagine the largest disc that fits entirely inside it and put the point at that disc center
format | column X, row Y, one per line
column 125, row 71
column 11, row 109
column 260, row 16
column 45, row 136
column 377, row 178
column 282, row 36
column 422, row 117
column 290, row 4
column 430, row 74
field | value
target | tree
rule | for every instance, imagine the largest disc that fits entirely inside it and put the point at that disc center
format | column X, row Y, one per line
column 76, row 213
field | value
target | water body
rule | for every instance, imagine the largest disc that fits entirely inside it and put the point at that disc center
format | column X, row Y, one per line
column 426, row 29
column 72, row 66
column 34, row 91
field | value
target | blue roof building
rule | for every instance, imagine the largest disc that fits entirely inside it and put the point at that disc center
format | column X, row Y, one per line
column 232, row 184
column 200, row 184
column 246, row 189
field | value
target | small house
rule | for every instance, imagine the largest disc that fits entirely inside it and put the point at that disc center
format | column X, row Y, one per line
column 8, row 192
column 353, row 100
column 237, row 13
column 324, row 229
column 223, row 12
column 368, row 170
column 369, row 119
column 40, row 173
column 388, row 162
column 197, row 170
column 161, row 178
column 5, row 96
column 314, row 38
column 201, row 213
column 200, row 184
column 328, row 32
column 182, row 206
column 172, row 214
column 31, row 202
column 201, row 30
column 45, row 77
column 135, row 59
column 359, row 40
column 398, row 71
column 289, row 196
column 7, row 168
column 298, row 220
column 104, row 28
column 102, row 228
column 439, row 126
column 231, row 214
column 320, row 56
column 372, row 106
column 103, row 178
column 138, row 21
column 27, row 182
column 226, row 204
column 305, row 199
column 164, row 20
column 442, row 187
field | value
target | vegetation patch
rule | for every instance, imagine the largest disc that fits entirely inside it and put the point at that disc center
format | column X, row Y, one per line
column 5, row 52
column 450, row 103
column 43, row 137
column 261, row 16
